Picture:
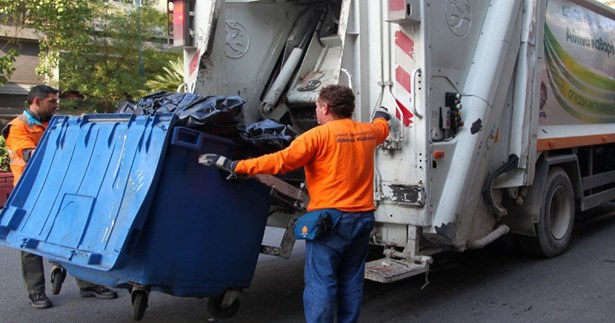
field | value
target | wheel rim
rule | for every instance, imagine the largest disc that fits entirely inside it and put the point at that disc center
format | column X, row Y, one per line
column 559, row 212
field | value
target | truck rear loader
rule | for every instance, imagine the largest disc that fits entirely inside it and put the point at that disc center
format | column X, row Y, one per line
column 504, row 110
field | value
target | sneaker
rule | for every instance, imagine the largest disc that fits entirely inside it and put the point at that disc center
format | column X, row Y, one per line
column 39, row 300
column 98, row 291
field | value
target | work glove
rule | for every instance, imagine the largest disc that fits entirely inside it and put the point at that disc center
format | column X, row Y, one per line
column 27, row 154
column 220, row 162
column 382, row 112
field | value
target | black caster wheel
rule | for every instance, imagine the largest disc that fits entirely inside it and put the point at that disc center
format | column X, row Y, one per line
column 58, row 274
column 214, row 305
column 139, row 304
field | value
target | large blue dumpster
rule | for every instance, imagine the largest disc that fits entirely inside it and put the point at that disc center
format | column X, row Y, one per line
column 121, row 200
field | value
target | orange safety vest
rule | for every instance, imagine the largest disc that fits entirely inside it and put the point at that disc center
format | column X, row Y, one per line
column 20, row 135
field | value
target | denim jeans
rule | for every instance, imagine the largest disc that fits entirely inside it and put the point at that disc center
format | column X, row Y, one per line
column 334, row 270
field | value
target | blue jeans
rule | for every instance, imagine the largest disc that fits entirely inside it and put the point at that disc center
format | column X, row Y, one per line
column 334, row 270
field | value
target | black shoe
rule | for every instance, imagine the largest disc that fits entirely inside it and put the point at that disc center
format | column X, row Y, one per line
column 58, row 274
column 40, row 300
column 98, row 291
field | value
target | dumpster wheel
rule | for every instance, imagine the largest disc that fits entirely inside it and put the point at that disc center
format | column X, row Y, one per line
column 58, row 274
column 214, row 305
column 139, row 304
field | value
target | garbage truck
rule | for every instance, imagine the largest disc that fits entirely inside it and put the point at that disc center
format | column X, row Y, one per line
column 504, row 110
column 503, row 127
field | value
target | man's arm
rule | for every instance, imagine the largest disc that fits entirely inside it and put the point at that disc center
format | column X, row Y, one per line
column 19, row 140
column 298, row 154
column 292, row 157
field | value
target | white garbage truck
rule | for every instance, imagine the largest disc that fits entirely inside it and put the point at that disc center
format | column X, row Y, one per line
column 503, row 110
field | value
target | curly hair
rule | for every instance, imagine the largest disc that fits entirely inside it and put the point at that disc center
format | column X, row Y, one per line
column 339, row 98
column 41, row 92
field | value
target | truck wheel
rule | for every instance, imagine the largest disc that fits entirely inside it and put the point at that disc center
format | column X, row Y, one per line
column 554, row 227
column 214, row 305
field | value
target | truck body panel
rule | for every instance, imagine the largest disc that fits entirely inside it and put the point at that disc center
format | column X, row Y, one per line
column 488, row 99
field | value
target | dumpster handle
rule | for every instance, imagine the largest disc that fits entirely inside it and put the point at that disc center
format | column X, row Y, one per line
column 187, row 138
column 107, row 117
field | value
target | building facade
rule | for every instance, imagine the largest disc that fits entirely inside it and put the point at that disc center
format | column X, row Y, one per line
column 13, row 94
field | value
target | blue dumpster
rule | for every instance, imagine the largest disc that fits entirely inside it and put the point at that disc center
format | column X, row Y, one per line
column 120, row 200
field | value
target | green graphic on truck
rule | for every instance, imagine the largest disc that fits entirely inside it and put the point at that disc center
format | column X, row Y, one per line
column 580, row 67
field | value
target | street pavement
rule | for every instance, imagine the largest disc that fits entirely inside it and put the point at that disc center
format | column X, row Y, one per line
column 490, row 285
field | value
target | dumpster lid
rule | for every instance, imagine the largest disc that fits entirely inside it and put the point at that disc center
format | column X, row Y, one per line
column 86, row 192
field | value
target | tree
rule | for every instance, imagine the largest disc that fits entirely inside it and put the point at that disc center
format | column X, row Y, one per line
column 6, row 66
column 61, row 25
column 104, row 50
column 170, row 79
column 120, row 57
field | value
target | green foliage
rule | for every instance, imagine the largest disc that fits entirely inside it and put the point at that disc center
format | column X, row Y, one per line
column 4, row 156
column 104, row 50
column 62, row 23
column 119, row 56
column 79, row 106
column 6, row 66
column 169, row 80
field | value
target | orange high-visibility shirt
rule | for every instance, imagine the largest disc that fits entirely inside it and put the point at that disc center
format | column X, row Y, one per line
column 338, row 159
column 23, row 134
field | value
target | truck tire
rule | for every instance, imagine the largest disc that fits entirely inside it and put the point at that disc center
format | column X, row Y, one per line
column 556, row 220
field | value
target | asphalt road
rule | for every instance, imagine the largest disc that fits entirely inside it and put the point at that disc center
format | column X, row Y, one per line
column 490, row 285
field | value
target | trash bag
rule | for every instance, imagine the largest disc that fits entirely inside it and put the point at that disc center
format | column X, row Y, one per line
column 126, row 106
column 217, row 115
column 158, row 102
column 268, row 135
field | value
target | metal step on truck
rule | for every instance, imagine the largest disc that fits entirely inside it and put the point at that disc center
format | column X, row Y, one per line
column 504, row 109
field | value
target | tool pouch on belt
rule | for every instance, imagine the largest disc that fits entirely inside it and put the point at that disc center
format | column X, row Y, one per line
column 316, row 223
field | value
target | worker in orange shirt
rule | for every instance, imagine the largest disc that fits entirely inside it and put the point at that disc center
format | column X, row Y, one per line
column 338, row 159
column 22, row 135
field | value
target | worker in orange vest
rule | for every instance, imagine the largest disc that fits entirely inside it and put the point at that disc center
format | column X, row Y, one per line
column 338, row 160
column 22, row 135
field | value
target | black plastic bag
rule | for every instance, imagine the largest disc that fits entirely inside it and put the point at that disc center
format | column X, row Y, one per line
column 268, row 135
column 218, row 115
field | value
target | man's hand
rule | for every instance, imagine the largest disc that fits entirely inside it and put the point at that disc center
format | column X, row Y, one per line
column 220, row 162
column 382, row 112
column 27, row 154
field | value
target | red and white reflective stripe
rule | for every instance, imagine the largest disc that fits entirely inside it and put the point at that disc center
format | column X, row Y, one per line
column 194, row 63
column 405, row 43
column 403, row 113
column 397, row 5
column 404, row 60
column 403, row 78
